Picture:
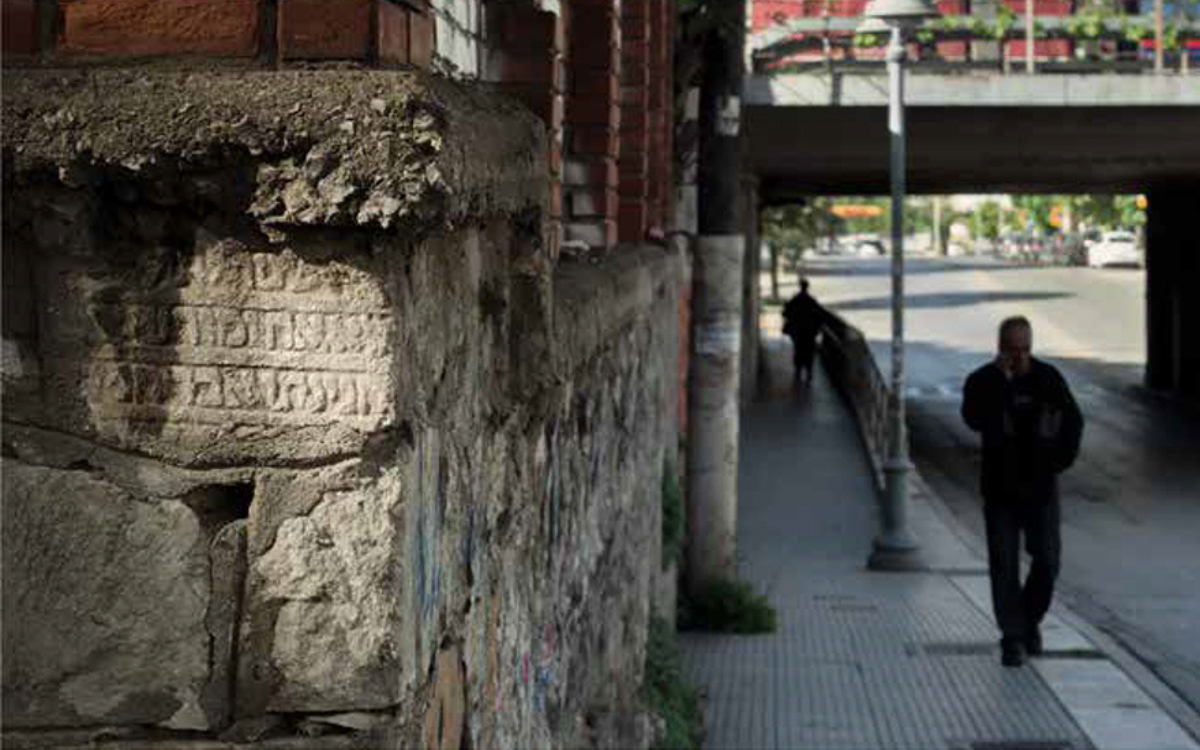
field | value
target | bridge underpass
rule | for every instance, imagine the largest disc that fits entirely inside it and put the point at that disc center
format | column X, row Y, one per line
column 821, row 135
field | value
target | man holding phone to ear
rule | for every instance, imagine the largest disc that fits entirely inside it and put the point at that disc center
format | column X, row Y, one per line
column 1031, row 429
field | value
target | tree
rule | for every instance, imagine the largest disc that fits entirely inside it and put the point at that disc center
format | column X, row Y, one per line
column 987, row 217
column 792, row 229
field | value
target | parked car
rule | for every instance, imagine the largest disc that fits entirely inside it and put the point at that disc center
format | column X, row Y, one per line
column 1117, row 248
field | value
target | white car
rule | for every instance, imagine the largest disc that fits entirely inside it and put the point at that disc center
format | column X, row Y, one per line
column 1114, row 249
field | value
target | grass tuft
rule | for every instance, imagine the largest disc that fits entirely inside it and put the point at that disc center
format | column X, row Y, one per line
column 728, row 607
column 667, row 694
column 672, row 515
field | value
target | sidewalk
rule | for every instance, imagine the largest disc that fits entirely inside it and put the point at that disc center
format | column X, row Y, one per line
column 883, row 660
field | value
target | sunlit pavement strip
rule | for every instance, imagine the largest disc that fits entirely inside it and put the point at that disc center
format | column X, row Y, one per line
column 1114, row 712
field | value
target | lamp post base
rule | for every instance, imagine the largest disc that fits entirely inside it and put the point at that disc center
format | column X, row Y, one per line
column 896, row 552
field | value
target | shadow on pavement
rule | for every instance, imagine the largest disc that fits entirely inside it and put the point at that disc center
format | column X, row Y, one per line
column 946, row 299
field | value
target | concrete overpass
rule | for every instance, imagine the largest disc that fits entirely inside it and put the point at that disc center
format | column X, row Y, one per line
column 826, row 134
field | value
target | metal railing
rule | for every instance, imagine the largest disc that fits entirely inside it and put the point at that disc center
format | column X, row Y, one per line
column 852, row 368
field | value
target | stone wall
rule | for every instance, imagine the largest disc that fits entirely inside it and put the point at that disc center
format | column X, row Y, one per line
column 305, row 438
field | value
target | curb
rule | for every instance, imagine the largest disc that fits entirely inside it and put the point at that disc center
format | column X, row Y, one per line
column 1176, row 708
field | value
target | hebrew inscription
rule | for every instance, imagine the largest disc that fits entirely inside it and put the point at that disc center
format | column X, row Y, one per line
column 241, row 337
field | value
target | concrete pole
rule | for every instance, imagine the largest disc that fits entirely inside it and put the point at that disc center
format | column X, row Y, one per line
column 1158, row 37
column 717, row 310
column 1029, row 37
column 750, row 293
column 937, row 226
column 896, row 548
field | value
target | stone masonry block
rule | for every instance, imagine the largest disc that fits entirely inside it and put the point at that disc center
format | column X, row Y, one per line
column 321, row 30
column 148, row 28
column 104, row 604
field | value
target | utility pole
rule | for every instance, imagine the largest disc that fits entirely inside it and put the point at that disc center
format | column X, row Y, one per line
column 1029, row 36
column 1158, row 37
column 717, row 307
column 938, row 245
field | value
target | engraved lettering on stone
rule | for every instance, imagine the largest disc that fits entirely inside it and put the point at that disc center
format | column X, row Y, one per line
column 243, row 337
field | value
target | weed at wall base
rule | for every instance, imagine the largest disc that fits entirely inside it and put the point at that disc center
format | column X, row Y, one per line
column 728, row 607
column 668, row 695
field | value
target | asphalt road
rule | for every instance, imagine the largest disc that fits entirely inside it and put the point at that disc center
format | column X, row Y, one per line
column 1131, row 505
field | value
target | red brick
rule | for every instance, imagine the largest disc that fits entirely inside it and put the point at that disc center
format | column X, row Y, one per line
column 593, row 20
column 603, row 86
column 323, row 30
column 393, row 26
column 635, row 52
column 421, row 40
column 635, row 98
column 547, row 105
column 587, row 202
column 631, row 221
column 20, row 28
column 556, row 153
column 597, row 140
column 578, row 172
column 594, row 111
column 634, row 171
column 539, row 67
column 526, row 28
column 149, row 28
column 634, row 28
column 635, row 75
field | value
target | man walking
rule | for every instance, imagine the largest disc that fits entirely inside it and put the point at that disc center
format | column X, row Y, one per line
column 1031, row 429
column 801, row 323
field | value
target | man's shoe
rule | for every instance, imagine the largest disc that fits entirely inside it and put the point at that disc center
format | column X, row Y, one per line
column 1033, row 642
column 1012, row 653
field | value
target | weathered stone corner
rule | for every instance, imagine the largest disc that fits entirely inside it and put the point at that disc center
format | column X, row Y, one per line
column 304, row 434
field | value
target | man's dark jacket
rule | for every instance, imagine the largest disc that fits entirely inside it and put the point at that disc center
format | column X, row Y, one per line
column 1031, row 429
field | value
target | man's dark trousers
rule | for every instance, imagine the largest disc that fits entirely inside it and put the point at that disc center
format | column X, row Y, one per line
column 1020, row 609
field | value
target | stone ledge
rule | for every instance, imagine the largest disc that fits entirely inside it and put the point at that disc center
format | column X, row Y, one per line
column 357, row 148
column 594, row 300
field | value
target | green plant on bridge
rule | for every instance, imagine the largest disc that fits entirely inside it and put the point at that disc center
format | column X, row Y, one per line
column 869, row 40
column 1088, row 24
column 1134, row 32
column 1006, row 19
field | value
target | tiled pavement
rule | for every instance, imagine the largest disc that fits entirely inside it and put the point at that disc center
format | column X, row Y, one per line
column 883, row 660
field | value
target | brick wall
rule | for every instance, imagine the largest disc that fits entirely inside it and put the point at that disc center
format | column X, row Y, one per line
column 597, row 72
column 383, row 32
column 525, row 57
column 593, row 121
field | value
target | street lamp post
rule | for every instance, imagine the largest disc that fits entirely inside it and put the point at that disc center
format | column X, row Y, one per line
column 896, row 548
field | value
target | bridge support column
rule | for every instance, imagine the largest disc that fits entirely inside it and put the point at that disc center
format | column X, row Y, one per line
column 1172, row 303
